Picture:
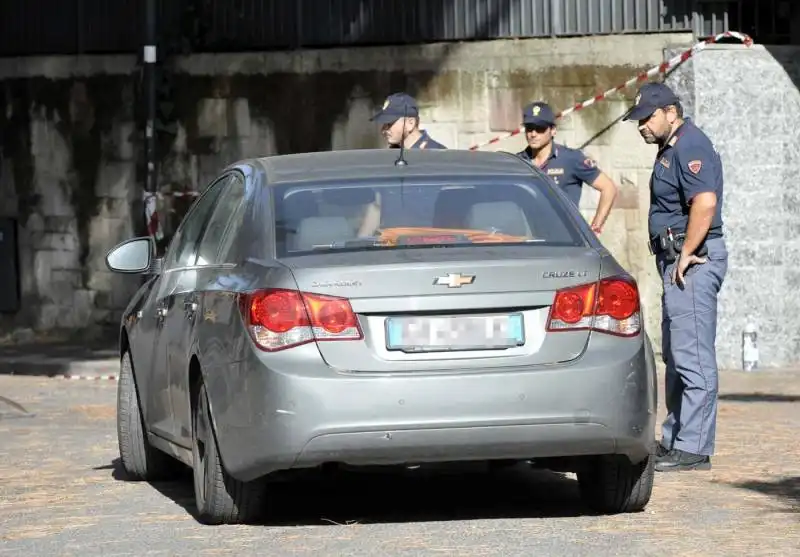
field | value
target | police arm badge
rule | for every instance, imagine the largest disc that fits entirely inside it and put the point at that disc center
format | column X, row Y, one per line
column 695, row 166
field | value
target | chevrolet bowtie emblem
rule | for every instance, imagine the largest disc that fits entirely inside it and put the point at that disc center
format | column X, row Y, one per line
column 454, row 280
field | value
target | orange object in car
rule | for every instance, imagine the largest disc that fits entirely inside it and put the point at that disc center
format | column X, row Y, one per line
column 426, row 235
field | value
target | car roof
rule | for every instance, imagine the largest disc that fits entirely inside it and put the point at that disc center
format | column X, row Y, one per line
column 357, row 164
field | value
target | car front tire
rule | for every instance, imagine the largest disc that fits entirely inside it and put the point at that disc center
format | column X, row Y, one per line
column 611, row 484
column 141, row 460
column 220, row 498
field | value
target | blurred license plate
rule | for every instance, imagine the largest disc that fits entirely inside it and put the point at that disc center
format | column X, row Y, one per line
column 437, row 334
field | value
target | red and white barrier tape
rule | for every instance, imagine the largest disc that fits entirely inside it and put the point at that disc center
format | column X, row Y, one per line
column 151, row 213
column 664, row 67
column 151, row 216
column 109, row 377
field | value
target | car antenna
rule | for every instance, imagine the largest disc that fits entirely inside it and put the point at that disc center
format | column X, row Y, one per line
column 400, row 160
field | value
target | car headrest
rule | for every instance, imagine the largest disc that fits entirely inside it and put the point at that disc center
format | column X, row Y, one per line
column 503, row 216
column 297, row 206
column 314, row 231
column 450, row 209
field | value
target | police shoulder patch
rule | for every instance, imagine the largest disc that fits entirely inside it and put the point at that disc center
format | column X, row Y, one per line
column 589, row 163
column 695, row 166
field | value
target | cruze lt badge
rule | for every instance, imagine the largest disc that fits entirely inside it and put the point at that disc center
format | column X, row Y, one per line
column 564, row 274
column 454, row 280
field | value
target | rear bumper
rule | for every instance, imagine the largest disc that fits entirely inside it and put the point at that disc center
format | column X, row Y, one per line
column 269, row 420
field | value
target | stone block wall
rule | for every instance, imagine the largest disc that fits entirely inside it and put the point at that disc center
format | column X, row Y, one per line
column 747, row 101
column 69, row 178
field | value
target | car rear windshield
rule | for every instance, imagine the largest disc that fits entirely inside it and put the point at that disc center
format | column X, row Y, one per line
column 312, row 218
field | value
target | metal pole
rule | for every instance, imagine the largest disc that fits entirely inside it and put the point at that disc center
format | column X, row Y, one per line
column 149, row 57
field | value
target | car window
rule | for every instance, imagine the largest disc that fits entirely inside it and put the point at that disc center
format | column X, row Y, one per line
column 221, row 221
column 183, row 248
column 228, row 251
column 355, row 216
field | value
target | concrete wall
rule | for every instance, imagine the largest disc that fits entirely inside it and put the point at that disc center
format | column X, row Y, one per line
column 747, row 100
column 69, row 149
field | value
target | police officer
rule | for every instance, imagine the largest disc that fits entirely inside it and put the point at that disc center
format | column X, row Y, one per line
column 685, row 226
column 399, row 120
column 569, row 168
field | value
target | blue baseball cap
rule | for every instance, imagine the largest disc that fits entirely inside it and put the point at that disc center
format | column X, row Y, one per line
column 539, row 114
column 396, row 105
column 651, row 96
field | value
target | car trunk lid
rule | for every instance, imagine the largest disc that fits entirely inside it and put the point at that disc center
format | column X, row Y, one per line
column 452, row 308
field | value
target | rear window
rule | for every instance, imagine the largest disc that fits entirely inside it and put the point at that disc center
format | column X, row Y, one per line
column 357, row 217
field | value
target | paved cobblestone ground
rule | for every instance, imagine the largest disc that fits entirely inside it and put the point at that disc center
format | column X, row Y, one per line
column 61, row 494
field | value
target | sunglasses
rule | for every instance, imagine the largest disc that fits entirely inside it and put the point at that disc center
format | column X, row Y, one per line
column 539, row 128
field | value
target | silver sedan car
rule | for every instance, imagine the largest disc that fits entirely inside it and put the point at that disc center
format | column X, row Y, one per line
column 337, row 308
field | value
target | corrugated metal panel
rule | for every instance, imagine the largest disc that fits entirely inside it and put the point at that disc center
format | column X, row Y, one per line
column 603, row 17
column 347, row 22
column 102, row 26
column 249, row 24
column 31, row 28
column 108, row 26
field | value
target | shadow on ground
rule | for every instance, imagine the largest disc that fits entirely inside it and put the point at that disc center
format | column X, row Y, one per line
column 464, row 492
column 72, row 352
column 758, row 397
column 786, row 489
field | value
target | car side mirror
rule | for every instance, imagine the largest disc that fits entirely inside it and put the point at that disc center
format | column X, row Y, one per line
column 134, row 256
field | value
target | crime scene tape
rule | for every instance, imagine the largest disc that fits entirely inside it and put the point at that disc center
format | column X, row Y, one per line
column 151, row 211
column 664, row 67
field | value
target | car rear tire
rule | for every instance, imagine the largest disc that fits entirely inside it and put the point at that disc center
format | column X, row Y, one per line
column 220, row 498
column 141, row 460
column 611, row 484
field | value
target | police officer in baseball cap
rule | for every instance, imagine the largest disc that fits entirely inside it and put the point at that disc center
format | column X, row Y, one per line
column 399, row 120
column 686, row 237
column 568, row 168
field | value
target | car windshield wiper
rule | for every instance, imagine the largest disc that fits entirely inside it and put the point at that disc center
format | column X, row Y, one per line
column 357, row 243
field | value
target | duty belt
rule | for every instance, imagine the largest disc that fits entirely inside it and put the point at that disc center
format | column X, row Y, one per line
column 671, row 243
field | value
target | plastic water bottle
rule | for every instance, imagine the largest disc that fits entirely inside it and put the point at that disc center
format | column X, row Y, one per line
column 750, row 346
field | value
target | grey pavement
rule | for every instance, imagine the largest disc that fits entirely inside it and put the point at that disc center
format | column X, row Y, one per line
column 62, row 493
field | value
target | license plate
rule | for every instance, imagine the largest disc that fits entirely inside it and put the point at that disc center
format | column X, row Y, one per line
column 439, row 334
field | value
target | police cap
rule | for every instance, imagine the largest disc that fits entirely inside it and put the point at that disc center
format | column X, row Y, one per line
column 651, row 96
column 538, row 114
column 396, row 105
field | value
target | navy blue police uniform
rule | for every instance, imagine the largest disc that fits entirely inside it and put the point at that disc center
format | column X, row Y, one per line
column 402, row 105
column 568, row 168
column 686, row 165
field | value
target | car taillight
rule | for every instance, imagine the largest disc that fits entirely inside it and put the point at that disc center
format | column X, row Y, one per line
column 609, row 306
column 278, row 319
